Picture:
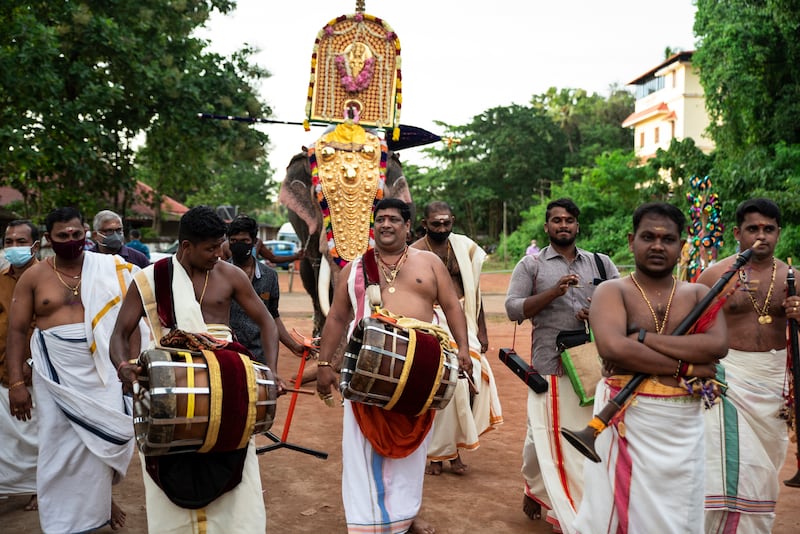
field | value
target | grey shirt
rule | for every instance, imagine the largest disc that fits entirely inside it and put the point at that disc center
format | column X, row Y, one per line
column 532, row 275
column 265, row 282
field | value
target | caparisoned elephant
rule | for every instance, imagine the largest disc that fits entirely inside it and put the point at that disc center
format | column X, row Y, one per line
column 300, row 195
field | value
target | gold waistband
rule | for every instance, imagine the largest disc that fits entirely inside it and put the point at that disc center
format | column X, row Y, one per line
column 651, row 387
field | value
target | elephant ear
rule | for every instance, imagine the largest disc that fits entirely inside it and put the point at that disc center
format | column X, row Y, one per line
column 396, row 183
column 296, row 193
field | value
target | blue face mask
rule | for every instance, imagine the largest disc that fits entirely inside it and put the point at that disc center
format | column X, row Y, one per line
column 18, row 256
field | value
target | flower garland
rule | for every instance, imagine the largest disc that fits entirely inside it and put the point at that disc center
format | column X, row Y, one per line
column 327, row 224
column 361, row 81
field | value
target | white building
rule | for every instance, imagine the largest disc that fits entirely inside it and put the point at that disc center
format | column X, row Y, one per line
column 670, row 104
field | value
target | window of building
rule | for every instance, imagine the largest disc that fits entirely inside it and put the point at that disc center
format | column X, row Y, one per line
column 655, row 134
column 641, row 139
column 649, row 86
column 672, row 130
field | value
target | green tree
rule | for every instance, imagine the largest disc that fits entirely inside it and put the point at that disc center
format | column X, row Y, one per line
column 591, row 123
column 749, row 64
column 607, row 193
column 505, row 157
column 81, row 81
column 681, row 161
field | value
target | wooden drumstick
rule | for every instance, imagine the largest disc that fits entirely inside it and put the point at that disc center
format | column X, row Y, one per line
column 303, row 391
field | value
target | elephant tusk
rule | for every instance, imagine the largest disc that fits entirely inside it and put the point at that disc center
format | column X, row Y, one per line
column 324, row 286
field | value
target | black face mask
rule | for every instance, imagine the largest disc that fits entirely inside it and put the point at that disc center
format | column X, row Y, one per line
column 439, row 237
column 68, row 250
column 240, row 252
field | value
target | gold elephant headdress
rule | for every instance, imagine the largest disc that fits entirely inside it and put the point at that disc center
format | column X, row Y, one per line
column 355, row 73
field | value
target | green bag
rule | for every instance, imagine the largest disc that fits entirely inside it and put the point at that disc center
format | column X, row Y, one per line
column 584, row 369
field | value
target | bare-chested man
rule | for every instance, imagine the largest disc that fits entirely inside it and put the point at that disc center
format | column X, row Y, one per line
column 200, row 292
column 19, row 451
column 755, row 370
column 652, row 469
column 85, row 433
column 467, row 416
column 382, row 482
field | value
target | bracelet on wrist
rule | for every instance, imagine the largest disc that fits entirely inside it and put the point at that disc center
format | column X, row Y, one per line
column 682, row 370
column 677, row 373
column 323, row 363
column 16, row 384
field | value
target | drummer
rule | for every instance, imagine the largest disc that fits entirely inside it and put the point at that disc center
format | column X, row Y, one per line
column 382, row 482
column 202, row 289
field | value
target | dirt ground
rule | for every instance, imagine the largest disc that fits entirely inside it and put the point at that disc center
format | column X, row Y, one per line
column 302, row 493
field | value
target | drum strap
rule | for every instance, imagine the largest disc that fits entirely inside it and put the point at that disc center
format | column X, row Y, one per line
column 373, row 289
column 162, row 280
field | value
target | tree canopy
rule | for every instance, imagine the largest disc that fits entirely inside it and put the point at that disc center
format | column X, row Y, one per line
column 83, row 82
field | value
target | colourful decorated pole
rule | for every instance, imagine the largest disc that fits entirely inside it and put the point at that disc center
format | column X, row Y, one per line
column 705, row 227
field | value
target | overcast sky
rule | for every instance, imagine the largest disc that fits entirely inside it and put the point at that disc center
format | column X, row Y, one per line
column 459, row 57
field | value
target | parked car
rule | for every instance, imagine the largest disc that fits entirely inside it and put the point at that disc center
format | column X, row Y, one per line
column 166, row 253
column 282, row 249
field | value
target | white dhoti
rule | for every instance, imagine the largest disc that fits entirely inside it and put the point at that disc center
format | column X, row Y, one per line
column 652, row 479
column 553, row 469
column 240, row 510
column 746, row 443
column 381, row 495
column 19, row 450
column 85, row 433
column 486, row 409
column 459, row 424
column 454, row 426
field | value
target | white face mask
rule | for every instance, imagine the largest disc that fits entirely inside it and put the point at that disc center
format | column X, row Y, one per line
column 19, row 256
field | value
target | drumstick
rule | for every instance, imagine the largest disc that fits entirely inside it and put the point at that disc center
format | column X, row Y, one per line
column 303, row 391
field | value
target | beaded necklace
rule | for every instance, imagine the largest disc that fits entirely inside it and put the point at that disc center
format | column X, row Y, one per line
column 659, row 327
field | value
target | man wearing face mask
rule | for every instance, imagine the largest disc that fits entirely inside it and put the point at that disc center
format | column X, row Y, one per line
column 464, row 419
column 241, row 238
column 108, row 234
column 85, row 433
column 19, row 450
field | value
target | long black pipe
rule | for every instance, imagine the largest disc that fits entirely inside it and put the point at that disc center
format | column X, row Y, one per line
column 791, row 291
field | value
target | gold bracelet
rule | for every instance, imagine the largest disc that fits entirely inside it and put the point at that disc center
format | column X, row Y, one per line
column 677, row 373
column 15, row 384
column 323, row 363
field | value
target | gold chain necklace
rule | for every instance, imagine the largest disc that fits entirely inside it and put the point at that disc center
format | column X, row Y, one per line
column 446, row 259
column 390, row 273
column 763, row 314
column 659, row 327
column 73, row 289
column 205, row 285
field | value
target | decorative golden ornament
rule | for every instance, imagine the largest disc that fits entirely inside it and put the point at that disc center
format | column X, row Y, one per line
column 349, row 173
